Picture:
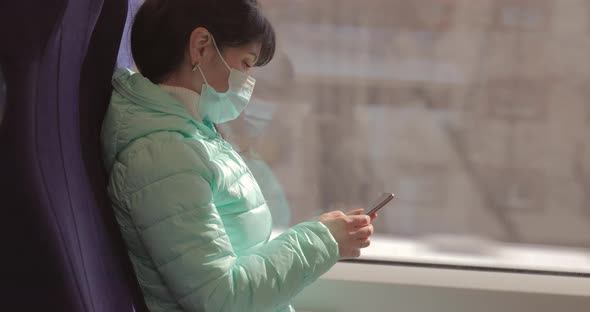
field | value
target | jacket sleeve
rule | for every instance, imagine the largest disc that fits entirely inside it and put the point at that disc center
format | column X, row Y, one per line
column 170, row 203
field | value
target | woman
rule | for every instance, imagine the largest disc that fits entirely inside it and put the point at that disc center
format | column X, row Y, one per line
column 194, row 220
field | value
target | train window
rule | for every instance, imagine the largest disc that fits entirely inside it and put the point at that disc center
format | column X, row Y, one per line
column 475, row 114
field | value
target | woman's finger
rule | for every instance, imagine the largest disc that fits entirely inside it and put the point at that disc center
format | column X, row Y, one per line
column 355, row 212
column 356, row 253
column 358, row 220
column 363, row 232
column 362, row 243
column 373, row 216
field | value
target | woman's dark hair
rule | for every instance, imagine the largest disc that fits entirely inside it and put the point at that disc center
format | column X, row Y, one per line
column 162, row 28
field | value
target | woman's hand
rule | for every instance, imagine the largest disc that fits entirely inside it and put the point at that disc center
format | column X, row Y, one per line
column 352, row 231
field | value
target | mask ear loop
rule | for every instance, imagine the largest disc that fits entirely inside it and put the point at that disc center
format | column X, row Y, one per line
column 200, row 71
column 219, row 53
column 196, row 66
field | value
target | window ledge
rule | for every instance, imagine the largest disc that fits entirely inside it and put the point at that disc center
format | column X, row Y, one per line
column 468, row 264
column 479, row 254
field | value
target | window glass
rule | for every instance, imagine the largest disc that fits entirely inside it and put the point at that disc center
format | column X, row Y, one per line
column 474, row 113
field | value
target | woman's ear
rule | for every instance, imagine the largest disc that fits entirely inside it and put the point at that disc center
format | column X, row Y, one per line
column 199, row 40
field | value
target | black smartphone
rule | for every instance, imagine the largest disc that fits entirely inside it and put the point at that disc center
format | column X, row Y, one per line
column 380, row 202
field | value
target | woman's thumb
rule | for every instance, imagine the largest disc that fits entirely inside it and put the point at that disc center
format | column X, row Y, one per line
column 355, row 212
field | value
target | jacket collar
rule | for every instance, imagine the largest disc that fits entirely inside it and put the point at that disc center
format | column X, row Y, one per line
column 141, row 91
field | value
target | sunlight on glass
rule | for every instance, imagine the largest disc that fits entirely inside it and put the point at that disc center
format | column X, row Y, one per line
column 474, row 113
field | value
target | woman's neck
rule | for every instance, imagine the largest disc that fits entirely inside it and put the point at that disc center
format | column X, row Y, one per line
column 184, row 79
column 188, row 98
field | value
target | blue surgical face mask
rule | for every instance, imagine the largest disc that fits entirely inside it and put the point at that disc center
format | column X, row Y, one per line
column 222, row 107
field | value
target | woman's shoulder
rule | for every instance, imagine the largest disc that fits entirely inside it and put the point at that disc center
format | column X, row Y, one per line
column 170, row 147
column 160, row 155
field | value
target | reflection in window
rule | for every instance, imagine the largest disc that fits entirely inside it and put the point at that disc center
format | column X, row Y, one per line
column 471, row 112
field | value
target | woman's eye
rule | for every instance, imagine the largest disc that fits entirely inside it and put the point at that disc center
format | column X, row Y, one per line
column 247, row 65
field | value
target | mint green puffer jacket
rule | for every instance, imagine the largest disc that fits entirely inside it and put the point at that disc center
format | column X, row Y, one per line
column 192, row 215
